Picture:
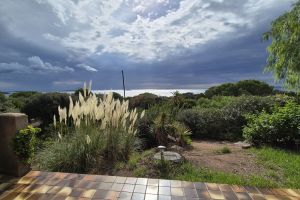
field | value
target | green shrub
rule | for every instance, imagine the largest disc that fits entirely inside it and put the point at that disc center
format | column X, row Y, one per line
column 144, row 101
column 218, row 119
column 208, row 123
column 214, row 102
column 91, row 131
column 19, row 99
column 279, row 128
column 2, row 97
column 25, row 142
column 44, row 106
column 245, row 87
column 72, row 153
column 145, row 133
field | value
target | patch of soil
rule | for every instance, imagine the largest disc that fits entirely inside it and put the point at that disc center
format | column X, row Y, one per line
column 239, row 161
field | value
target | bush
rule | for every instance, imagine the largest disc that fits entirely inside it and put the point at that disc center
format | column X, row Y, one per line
column 221, row 120
column 245, row 87
column 280, row 128
column 19, row 99
column 144, row 101
column 214, row 102
column 44, row 106
column 25, row 142
column 208, row 123
column 99, row 130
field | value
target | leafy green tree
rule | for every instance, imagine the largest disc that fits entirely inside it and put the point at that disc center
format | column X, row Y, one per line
column 284, row 51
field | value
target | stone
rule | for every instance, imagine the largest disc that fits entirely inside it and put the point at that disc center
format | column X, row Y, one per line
column 169, row 155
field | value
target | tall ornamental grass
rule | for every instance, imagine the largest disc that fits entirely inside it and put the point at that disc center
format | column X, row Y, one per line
column 90, row 131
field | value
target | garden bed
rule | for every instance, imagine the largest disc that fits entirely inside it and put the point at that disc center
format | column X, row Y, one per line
column 207, row 161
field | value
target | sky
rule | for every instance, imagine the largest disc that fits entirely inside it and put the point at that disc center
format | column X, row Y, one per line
column 55, row 45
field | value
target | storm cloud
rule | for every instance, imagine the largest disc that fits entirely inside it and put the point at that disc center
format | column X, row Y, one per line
column 58, row 44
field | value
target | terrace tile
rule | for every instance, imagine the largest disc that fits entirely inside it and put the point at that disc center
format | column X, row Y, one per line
column 140, row 188
column 153, row 182
column 48, row 185
column 137, row 196
column 131, row 180
column 142, row 181
column 164, row 191
column 175, row 183
column 177, row 192
column 214, row 194
column 152, row 189
column 128, row 188
column 151, row 197
column 164, row 183
column 212, row 186
column 125, row 195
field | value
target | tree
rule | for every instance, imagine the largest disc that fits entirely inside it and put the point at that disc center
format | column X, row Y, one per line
column 284, row 51
column 244, row 87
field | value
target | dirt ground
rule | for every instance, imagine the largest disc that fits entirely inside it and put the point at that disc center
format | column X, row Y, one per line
column 239, row 161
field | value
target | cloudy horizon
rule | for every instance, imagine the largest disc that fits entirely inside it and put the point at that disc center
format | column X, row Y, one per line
column 53, row 45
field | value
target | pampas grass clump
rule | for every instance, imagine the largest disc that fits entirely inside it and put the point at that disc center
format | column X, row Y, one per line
column 94, row 129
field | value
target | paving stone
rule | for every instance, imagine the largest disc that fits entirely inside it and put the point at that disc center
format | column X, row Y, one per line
column 117, row 187
column 243, row 196
column 105, row 186
column 137, row 196
column 252, row 190
column 187, row 184
column 225, row 187
column 164, row 183
column 153, row 182
column 215, row 194
column 230, row 195
column 142, row 181
column 104, row 194
column 237, row 188
column 128, row 188
column 140, row 188
column 178, row 198
column 203, row 194
column 164, row 197
column 164, row 191
column 131, row 180
column 120, row 179
column 76, row 192
column 200, row 186
column 175, row 183
column 152, row 189
column 89, row 193
column 212, row 186
column 125, row 195
column 257, row 196
column 48, row 185
column 151, row 197
column 177, row 192
column 190, row 193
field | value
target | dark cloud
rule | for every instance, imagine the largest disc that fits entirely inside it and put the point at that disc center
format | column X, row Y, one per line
column 47, row 47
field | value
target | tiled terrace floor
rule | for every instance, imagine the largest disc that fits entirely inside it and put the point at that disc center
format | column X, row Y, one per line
column 45, row 185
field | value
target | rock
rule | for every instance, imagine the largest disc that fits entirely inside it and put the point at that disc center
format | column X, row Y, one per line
column 244, row 145
column 176, row 148
column 169, row 155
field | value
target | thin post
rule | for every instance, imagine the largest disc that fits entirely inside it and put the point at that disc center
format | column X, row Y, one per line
column 123, row 83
